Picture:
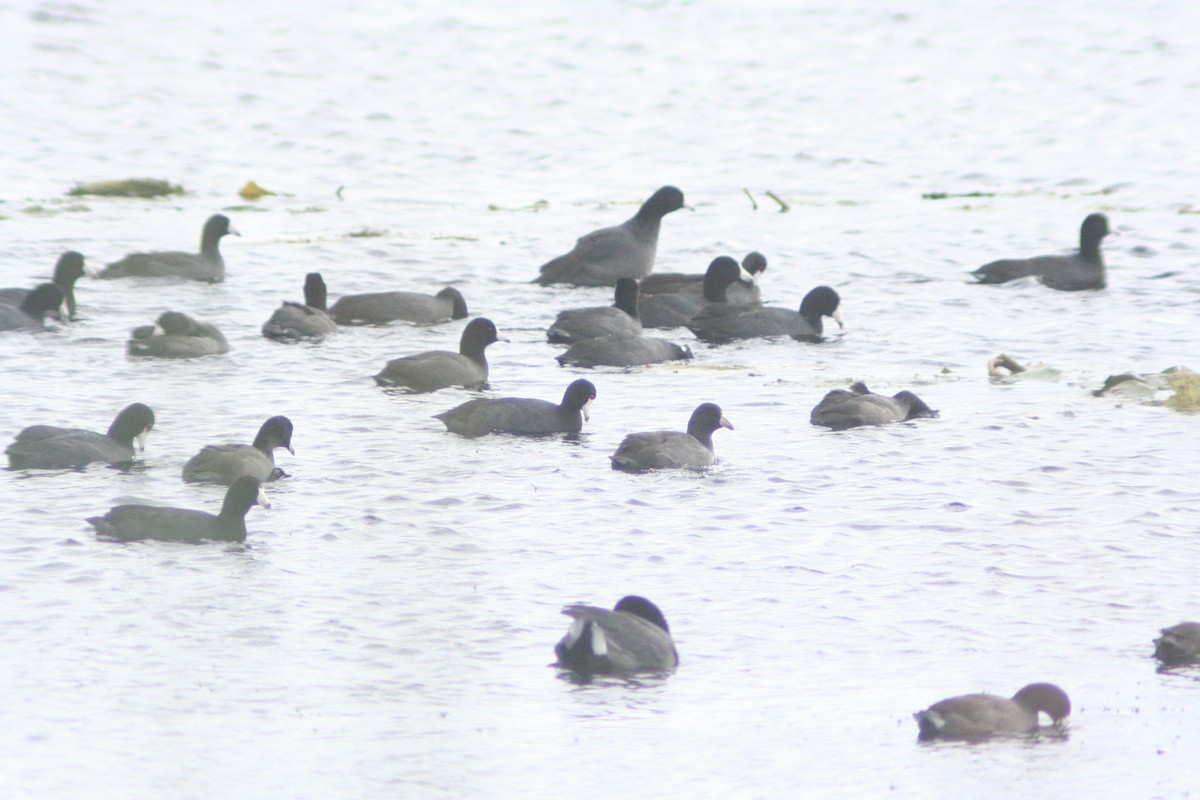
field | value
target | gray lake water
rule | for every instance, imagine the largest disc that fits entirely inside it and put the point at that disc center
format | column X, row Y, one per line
column 386, row 630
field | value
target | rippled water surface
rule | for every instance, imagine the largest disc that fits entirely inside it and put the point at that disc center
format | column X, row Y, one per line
column 386, row 629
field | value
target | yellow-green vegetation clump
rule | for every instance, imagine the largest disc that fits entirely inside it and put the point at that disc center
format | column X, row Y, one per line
column 252, row 191
column 1187, row 391
column 130, row 187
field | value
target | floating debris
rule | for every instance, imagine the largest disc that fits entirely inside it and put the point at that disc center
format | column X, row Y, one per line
column 252, row 191
column 1005, row 369
column 132, row 187
column 1187, row 391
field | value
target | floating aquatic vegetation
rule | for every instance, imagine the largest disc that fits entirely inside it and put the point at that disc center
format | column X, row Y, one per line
column 1187, row 391
column 130, row 187
column 252, row 191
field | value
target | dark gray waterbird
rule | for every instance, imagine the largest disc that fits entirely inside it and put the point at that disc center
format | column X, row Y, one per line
column 633, row 637
column 176, row 335
column 1075, row 272
column 207, row 265
column 841, row 408
column 727, row 322
column 132, row 522
column 979, row 716
column 439, row 369
column 67, row 271
column 676, row 310
column 622, row 251
column 380, row 308
column 307, row 320
column 673, row 449
column 225, row 463
column 742, row 291
column 522, row 415
column 1179, row 644
column 43, row 301
column 51, row 447
column 577, row 324
column 622, row 350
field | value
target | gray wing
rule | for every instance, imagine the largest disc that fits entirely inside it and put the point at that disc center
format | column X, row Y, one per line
column 661, row 450
column 225, row 463
column 436, row 369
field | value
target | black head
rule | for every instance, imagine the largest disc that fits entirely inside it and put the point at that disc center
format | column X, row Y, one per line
column 314, row 291
column 45, row 299
column 858, row 387
column 133, row 421
column 243, row 493
column 754, row 262
column 721, row 272
column 1093, row 231
column 626, row 296
column 822, row 301
column 175, row 323
column 479, row 333
column 218, row 225
column 578, row 395
column 455, row 298
column 705, row 419
column 916, row 406
column 661, row 203
column 68, row 269
column 641, row 607
column 275, row 432
column 1045, row 697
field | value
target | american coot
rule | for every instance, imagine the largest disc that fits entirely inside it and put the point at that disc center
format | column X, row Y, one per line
column 577, row 324
column 676, row 310
column 978, row 716
column 633, row 637
column 1179, row 644
column 293, row 321
column 379, row 308
column 841, row 409
column 622, row 350
column 521, row 415
column 67, row 271
column 1075, row 272
column 225, row 463
column 50, row 447
column 207, row 265
column 132, row 522
column 742, row 291
column 439, row 369
column 671, row 449
column 724, row 323
column 622, row 251
column 43, row 301
column 176, row 335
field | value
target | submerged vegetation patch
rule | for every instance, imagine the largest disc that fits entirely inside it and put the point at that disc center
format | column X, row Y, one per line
column 130, row 187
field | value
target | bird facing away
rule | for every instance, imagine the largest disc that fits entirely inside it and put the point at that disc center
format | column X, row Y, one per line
column 294, row 321
column 634, row 637
column 43, row 301
column 627, row 250
column 1075, row 272
column 133, row 522
column 577, row 324
column 207, row 265
column 980, row 716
